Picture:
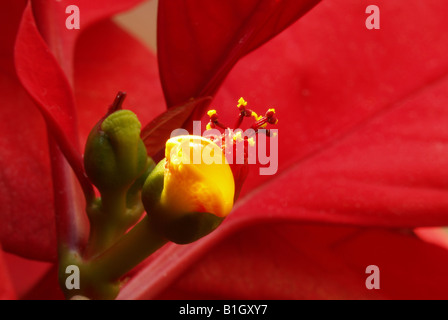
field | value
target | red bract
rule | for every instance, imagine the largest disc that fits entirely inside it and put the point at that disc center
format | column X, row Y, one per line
column 362, row 121
column 303, row 261
column 361, row 112
column 28, row 204
column 202, row 40
column 6, row 289
column 198, row 43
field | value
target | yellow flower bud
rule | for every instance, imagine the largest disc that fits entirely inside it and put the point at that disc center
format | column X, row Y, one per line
column 197, row 177
column 191, row 191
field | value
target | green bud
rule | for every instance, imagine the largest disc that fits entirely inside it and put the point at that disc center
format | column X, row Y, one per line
column 115, row 155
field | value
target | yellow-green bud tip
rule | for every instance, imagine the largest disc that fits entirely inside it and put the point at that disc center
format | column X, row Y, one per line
column 115, row 155
column 122, row 125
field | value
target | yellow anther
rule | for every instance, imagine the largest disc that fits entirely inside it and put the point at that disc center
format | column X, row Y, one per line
column 242, row 102
column 271, row 114
column 208, row 126
column 211, row 113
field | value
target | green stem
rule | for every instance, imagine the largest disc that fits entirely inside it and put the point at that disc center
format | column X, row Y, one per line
column 108, row 221
column 132, row 248
column 100, row 275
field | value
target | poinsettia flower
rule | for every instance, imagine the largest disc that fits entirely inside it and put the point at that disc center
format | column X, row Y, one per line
column 363, row 111
column 338, row 97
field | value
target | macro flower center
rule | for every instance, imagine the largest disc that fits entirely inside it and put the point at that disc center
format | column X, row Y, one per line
column 236, row 142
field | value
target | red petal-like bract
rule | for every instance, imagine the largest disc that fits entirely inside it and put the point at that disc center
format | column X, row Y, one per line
column 27, row 212
column 109, row 60
column 25, row 274
column 51, row 17
column 199, row 41
column 155, row 133
column 6, row 288
column 362, row 130
column 45, row 81
column 362, row 141
column 26, row 200
column 300, row 261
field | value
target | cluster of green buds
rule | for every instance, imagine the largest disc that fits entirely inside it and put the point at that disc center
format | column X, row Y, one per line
column 186, row 196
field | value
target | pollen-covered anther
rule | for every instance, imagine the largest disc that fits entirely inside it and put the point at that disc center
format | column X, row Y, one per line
column 271, row 117
column 213, row 115
column 241, row 103
column 214, row 120
column 244, row 112
column 260, row 122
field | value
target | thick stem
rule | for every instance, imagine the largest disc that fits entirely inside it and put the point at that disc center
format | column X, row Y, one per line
column 135, row 246
column 100, row 275
column 110, row 218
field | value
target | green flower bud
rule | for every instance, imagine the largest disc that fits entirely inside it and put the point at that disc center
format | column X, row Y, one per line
column 115, row 155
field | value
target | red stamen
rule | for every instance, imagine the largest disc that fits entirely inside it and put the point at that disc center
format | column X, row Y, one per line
column 259, row 123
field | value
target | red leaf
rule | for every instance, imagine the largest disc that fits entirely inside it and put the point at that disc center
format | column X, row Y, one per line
column 315, row 262
column 51, row 19
column 377, row 173
column 52, row 71
column 362, row 128
column 159, row 130
column 46, row 76
column 295, row 261
column 9, row 22
column 200, row 41
column 350, row 146
column 25, row 274
column 26, row 199
column 109, row 60
column 6, row 288
column 44, row 80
